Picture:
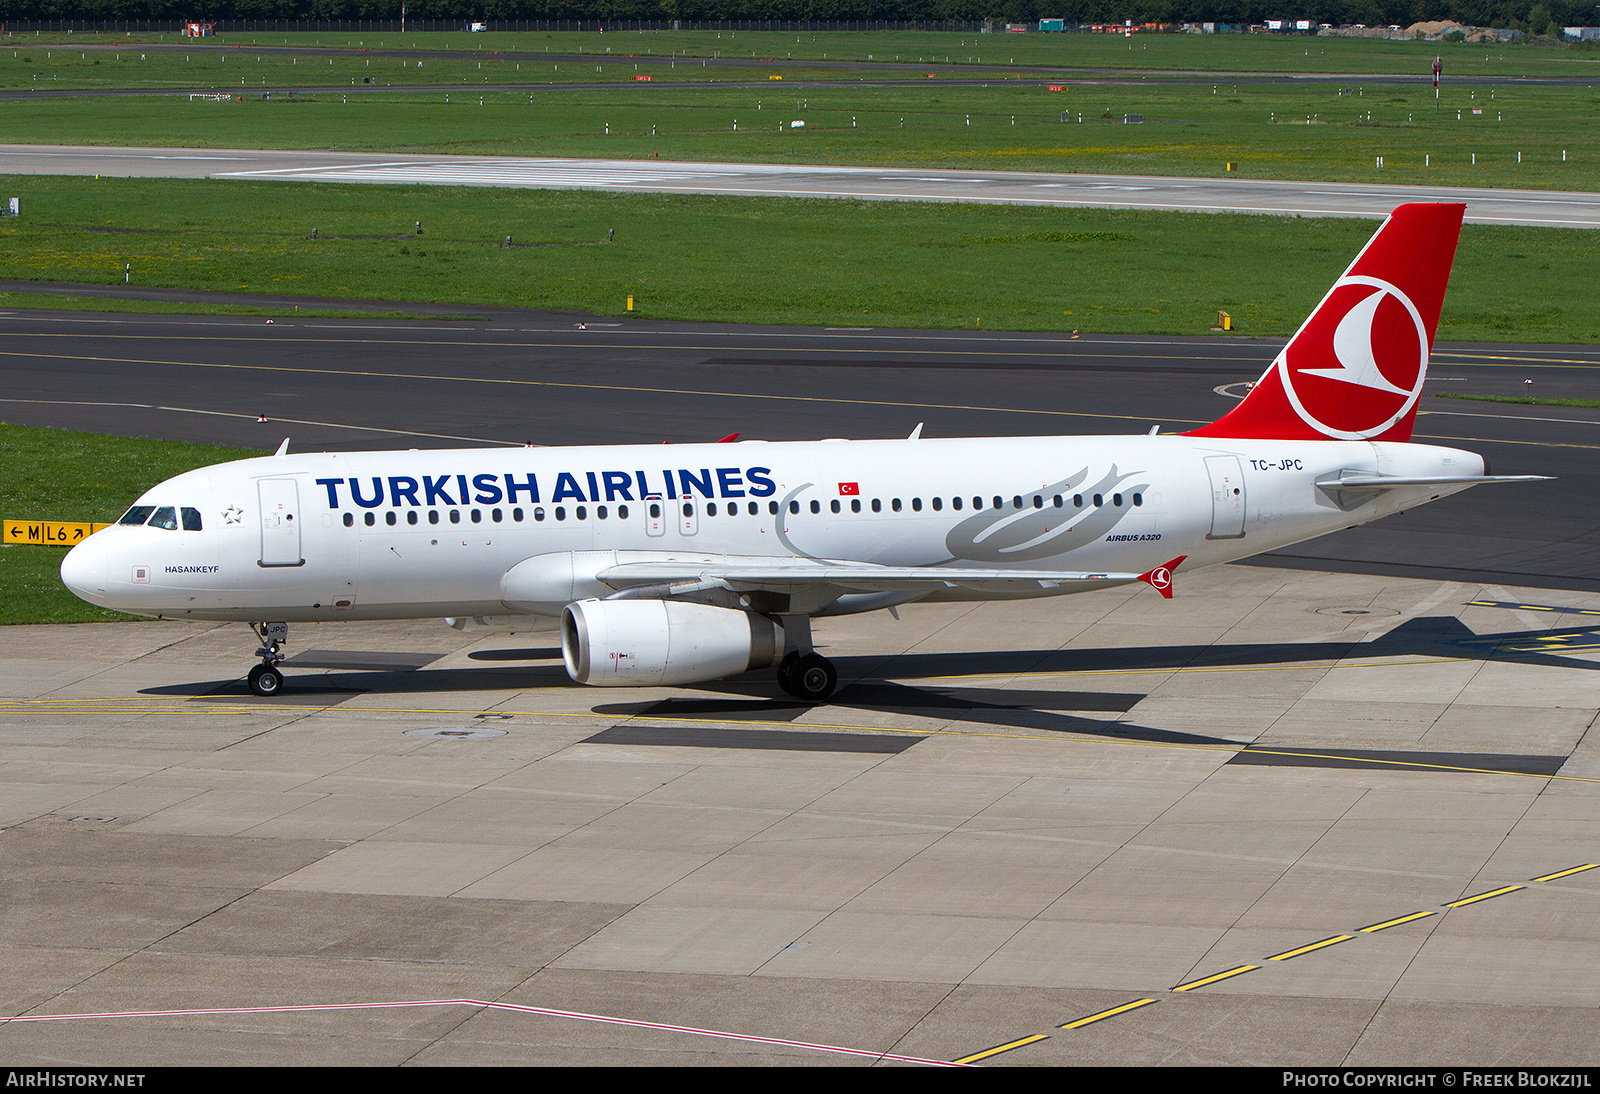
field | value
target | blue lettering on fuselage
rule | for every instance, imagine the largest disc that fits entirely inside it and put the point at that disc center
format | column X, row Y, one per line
column 491, row 488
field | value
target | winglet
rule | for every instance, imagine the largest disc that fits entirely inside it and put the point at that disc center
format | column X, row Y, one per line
column 283, row 449
column 1160, row 578
column 729, row 439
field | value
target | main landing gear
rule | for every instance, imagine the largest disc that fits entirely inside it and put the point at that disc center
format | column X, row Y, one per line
column 265, row 680
column 809, row 677
column 803, row 672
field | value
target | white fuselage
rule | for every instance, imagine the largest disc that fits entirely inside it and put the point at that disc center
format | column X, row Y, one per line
column 383, row 535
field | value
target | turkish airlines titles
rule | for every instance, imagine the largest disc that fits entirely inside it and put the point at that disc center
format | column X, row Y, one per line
column 422, row 491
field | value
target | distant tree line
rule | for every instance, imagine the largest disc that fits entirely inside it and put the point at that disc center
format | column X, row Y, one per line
column 1538, row 16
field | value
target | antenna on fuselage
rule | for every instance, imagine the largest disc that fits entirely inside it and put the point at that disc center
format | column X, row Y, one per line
column 283, row 449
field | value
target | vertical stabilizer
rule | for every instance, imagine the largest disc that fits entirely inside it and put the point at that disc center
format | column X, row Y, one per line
column 1354, row 370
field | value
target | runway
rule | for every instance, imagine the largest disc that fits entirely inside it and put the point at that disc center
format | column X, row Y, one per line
column 1547, row 208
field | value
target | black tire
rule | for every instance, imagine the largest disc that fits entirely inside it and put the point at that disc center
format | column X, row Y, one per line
column 786, row 672
column 813, row 678
column 265, row 681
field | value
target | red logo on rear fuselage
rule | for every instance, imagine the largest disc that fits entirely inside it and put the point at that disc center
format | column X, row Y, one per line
column 1357, row 366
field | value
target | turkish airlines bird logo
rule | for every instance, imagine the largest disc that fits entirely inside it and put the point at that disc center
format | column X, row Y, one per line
column 1357, row 366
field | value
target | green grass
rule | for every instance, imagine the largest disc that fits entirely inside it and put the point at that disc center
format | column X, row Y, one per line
column 54, row 474
column 1169, row 53
column 1267, row 130
column 774, row 260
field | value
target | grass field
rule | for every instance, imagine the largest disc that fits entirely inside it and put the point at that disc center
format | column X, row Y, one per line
column 53, row 474
column 1168, row 53
column 775, row 260
column 1266, row 130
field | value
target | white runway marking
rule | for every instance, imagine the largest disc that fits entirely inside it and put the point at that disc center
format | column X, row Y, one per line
column 544, row 1011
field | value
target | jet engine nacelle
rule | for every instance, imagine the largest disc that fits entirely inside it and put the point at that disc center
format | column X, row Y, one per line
column 649, row 643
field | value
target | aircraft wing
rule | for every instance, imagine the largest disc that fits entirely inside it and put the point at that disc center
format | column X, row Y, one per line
column 788, row 575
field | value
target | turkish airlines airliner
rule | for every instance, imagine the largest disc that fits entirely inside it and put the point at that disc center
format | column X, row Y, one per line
column 681, row 564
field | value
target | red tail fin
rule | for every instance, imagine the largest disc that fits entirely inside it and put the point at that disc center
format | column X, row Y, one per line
column 1354, row 370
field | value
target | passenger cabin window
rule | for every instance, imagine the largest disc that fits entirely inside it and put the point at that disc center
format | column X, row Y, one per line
column 349, row 520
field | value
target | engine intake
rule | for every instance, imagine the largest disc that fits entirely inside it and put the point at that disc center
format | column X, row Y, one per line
column 650, row 643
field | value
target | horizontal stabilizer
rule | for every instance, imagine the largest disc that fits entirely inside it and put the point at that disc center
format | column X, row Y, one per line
column 1389, row 482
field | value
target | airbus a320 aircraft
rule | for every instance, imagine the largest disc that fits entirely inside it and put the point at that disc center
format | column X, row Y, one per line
column 682, row 564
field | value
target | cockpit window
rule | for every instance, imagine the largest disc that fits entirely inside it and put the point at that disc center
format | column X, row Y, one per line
column 191, row 519
column 137, row 515
column 165, row 517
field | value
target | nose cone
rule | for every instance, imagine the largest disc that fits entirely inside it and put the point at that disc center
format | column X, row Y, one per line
column 83, row 571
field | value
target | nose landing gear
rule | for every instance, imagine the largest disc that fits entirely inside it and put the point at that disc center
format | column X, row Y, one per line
column 265, row 680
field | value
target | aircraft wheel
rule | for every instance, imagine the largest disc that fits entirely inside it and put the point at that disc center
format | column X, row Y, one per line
column 265, row 681
column 786, row 673
column 813, row 678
